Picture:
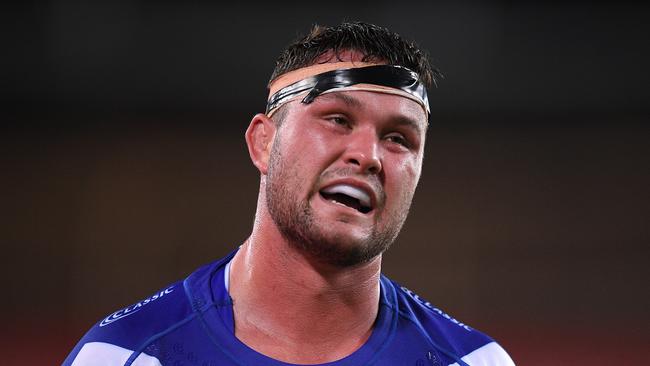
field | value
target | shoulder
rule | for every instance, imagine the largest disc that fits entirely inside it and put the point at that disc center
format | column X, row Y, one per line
column 165, row 316
column 470, row 345
column 116, row 337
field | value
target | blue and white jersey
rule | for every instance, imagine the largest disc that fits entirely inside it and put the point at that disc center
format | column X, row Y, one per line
column 191, row 323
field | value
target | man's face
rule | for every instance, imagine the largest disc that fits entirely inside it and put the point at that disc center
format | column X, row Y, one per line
column 342, row 173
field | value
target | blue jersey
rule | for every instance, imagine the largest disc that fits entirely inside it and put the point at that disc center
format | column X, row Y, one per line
column 191, row 323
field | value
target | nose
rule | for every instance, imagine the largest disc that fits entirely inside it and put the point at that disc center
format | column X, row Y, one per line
column 363, row 152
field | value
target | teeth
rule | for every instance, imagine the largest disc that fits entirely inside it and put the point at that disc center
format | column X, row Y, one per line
column 351, row 191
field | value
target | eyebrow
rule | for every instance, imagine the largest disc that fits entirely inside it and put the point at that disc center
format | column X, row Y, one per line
column 349, row 100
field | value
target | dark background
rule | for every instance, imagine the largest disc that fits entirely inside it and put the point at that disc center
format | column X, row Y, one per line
column 124, row 165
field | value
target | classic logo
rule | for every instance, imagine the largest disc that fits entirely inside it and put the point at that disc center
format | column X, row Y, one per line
column 443, row 314
column 130, row 310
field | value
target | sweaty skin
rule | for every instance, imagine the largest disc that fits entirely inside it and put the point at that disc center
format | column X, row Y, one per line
column 305, row 285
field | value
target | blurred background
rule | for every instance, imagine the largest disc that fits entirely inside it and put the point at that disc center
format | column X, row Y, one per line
column 124, row 166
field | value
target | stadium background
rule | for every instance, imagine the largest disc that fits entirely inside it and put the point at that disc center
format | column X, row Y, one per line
column 124, row 165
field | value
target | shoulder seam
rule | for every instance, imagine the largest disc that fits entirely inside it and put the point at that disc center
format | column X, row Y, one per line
column 428, row 338
column 169, row 329
column 199, row 313
column 154, row 337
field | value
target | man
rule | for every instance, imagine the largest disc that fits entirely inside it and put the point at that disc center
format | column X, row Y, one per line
column 339, row 151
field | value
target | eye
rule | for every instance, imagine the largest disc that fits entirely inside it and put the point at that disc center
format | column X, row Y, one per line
column 339, row 120
column 398, row 139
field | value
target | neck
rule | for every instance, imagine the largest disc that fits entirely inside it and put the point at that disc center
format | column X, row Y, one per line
column 319, row 313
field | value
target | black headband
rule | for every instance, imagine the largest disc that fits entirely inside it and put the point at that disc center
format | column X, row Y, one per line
column 396, row 77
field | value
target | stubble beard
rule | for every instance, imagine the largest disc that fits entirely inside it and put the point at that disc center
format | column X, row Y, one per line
column 297, row 223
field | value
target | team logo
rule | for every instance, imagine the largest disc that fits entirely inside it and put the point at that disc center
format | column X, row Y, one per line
column 431, row 359
column 130, row 310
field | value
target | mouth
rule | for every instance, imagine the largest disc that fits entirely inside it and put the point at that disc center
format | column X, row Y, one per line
column 349, row 196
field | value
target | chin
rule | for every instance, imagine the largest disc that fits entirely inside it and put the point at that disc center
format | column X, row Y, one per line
column 341, row 248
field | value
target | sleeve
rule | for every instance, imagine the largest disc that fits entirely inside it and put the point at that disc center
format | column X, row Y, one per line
column 120, row 338
column 491, row 354
column 106, row 354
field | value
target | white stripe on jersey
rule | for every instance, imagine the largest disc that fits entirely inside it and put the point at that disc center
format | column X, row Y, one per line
column 489, row 355
column 106, row 354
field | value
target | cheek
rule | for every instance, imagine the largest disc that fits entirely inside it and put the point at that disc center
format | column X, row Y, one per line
column 305, row 158
column 407, row 174
column 314, row 148
column 401, row 183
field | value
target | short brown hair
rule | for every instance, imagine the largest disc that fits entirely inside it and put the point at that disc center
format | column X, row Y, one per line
column 374, row 42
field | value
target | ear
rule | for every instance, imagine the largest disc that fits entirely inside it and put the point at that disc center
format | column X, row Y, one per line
column 259, row 138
